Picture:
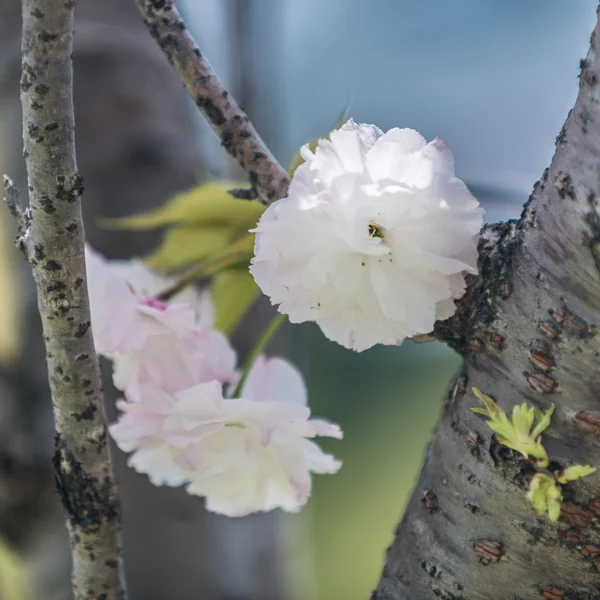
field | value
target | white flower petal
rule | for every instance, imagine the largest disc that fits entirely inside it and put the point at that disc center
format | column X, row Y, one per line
column 373, row 240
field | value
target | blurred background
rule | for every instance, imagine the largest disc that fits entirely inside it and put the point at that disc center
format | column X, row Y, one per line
column 493, row 78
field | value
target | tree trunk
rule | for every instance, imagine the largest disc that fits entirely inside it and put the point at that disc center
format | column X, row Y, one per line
column 528, row 331
column 137, row 145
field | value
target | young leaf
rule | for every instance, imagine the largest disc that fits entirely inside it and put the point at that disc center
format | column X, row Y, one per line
column 574, row 472
column 545, row 495
column 517, row 434
column 188, row 245
column 233, row 292
column 209, row 204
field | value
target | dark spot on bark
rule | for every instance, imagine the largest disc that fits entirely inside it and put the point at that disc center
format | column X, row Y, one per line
column 38, row 252
column 82, row 357
column 35, row 105
column 66, row 379
column 197, row 52
column 564, row 185
column 70, row 189
column 34, row 133
column 112, row 563
column 58, row 370
column 213, row 112
column 52, row 265
column 88, row 503
column 431, row 569
column 82, row 329
column 78, row 282
column 51, row 127
column 47, row 205
column 56, row 287
column 158, row 4
column 71, row 227
column 87, row 414
column 496, row 341
column 37, row 13
column 86, row 383
column 28, row 76
column 227, row 141
column 46, row 36
column 42, row 89
column 430, row 501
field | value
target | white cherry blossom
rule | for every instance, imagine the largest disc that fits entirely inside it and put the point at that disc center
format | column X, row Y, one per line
column 374, row 239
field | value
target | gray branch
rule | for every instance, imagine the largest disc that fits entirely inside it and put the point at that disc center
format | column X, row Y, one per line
column 54, row 245
column 228, row 120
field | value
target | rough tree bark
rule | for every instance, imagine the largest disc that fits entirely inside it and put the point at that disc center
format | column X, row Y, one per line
column 52, row 238
column 528, row 331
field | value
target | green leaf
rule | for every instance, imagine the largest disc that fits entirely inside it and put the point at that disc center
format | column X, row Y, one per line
column 233, row 291
column 297, row 160
column 574, row 472
column 188, row 245
column 543, row 420
column 545, row 495
column 517, row 434
column 209, row 205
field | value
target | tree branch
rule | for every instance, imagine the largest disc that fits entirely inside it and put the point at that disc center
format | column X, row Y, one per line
column 225, row 116
column 54, row 244
column 528, row 330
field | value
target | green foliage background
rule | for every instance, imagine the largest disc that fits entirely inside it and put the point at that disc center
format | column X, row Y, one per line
column 388, row 401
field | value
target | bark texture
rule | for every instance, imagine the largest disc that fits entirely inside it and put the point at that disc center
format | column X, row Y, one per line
column 268, row 179
column 528, row 331
column 53, row 241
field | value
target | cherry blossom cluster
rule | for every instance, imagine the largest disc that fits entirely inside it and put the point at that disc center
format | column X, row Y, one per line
column 374, row 239
column 246, row 454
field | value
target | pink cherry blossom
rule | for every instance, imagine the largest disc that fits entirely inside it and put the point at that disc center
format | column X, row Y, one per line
column 243, row 455
column 122, row 317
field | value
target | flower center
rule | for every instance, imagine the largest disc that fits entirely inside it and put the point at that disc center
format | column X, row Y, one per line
column 156, row 304
column 375, row 231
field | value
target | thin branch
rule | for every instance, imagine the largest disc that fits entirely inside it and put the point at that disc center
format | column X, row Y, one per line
column 55, row 247
column 203, row 271
column 225, row 116
column 12, row 202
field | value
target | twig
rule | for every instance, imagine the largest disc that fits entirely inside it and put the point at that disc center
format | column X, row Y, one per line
column 225, row 116
column 55, row 247
column 203, row 270
column 12, row 202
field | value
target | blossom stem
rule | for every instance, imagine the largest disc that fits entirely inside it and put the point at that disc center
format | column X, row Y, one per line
column 260, row 345
column 206, row 268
